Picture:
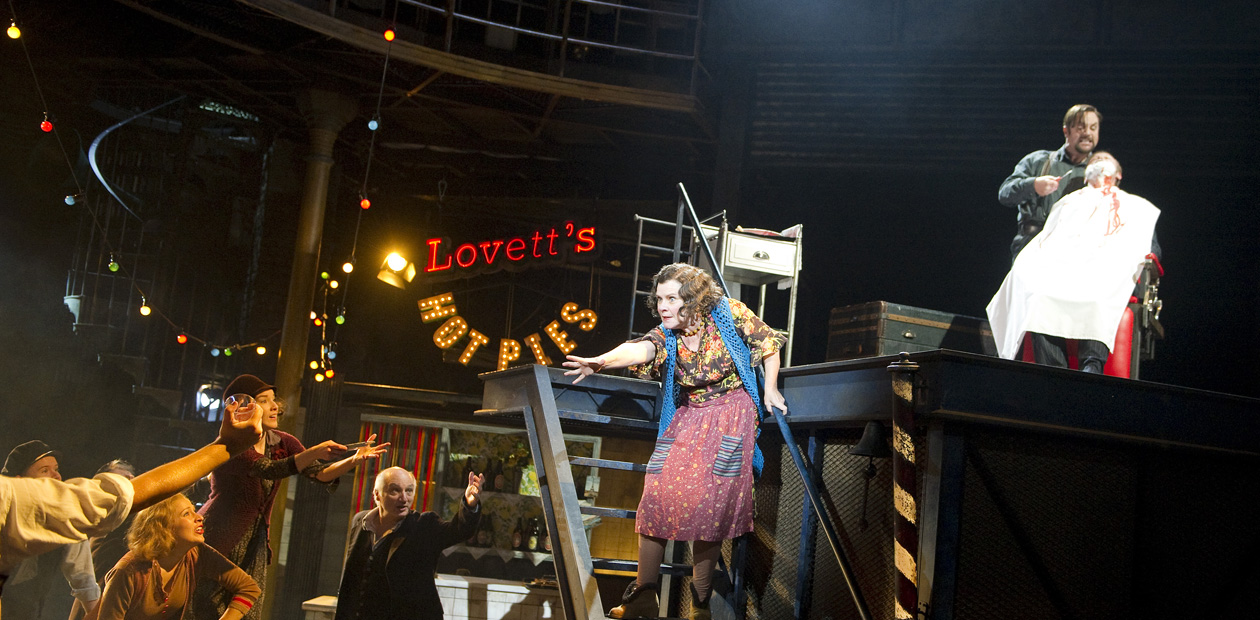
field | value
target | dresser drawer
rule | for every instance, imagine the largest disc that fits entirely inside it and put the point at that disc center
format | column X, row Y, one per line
column 760, row 254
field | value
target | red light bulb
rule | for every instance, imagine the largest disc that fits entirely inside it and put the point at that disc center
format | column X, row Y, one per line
column 46, row 126
column 182, row 339
column 318, row 322
column 329, row 373
column 389, row 35
column 365, row 203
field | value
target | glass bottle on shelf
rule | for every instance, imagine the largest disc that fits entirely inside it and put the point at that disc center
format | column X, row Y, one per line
column 500, row 481
column 510, row 473
column 518, row 535
column 544, row 539
column 532, row 542
column 485, row 535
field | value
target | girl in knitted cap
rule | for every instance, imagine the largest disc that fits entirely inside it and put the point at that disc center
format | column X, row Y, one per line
column 242, row 491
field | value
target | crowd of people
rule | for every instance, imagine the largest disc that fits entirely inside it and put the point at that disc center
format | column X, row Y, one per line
column 132, row 546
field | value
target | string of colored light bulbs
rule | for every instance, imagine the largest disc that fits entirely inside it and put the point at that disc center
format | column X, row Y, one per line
column 47, row 126
column 183, row 336
column 327, row 351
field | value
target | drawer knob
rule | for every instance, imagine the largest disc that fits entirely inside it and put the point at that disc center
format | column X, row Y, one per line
column 909, row 335
column 761, row 255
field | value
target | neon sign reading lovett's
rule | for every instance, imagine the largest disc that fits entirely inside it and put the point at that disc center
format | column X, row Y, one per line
column 446, row 258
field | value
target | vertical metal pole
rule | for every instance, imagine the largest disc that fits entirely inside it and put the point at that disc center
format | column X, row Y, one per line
column 564, row 37
column 940, row 519
column 796, row 282
column 634, row 277
column 450, row 23
column 678, row 227
column 695, row 48
column 809, row 525
column 684, row 202
column 905, row 500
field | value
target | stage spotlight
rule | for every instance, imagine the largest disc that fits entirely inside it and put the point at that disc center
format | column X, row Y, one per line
column 397, row 271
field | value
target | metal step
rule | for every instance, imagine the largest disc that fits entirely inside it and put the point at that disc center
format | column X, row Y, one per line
column 606, row 464
column 611, row 513
column 677, row 570
column 584, row 417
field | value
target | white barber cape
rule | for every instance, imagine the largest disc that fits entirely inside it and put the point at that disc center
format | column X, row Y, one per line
column 1074, row 278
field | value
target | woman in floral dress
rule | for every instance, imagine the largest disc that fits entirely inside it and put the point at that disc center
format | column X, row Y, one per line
column 699, row 480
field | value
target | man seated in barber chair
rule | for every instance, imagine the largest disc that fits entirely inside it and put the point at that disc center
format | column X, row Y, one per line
column 1074, row 279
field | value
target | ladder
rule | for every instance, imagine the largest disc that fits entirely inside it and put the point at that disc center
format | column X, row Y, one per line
column 739, row 258
column 538, row 396
column 675, row 254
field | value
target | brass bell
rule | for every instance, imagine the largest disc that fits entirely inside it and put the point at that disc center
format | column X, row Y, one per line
column 874, row 442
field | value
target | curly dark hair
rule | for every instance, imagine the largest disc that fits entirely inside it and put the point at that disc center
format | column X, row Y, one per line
column 699, row 291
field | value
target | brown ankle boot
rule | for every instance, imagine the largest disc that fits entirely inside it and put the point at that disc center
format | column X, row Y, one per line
column 700, row 609
column 639, row 601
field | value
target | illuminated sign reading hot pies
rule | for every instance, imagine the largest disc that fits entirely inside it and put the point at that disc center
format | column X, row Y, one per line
column 455, row 328
column 543, row 245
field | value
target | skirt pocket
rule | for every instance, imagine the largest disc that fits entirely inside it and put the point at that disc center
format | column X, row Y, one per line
column 730, row 457
column 657, row 463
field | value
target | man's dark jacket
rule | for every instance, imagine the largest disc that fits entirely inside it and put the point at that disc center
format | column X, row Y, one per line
column 376, row 585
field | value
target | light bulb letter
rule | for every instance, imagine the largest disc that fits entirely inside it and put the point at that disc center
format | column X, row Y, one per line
column 534, row 341
column 475, row 341
column 450, row 332
column 569, row 312
column 437, row 307
column 559, row 337
column 509, row 351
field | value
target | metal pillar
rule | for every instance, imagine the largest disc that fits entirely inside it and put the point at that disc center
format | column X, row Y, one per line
column 905, row 500
column 327, row 113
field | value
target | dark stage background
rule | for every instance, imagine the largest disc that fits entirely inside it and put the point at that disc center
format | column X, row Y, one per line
column 918, row 114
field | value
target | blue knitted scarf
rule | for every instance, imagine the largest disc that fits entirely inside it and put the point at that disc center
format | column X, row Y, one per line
column 739, row 352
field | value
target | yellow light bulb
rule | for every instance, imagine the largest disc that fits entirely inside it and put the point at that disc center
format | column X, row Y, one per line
column 14, row 32
column 348, row 267
column 314, row 364
column 261, row 350
column 145, row 310
column 396, row 261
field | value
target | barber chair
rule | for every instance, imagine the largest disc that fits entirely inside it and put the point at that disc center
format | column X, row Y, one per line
column 1139, row 327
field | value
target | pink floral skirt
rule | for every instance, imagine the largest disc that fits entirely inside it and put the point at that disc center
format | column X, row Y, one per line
column 699, row 483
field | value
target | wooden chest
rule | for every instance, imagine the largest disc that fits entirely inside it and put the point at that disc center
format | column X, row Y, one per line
column 882, row 328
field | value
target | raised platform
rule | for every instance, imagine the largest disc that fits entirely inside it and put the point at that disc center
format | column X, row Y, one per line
column 1041, row 493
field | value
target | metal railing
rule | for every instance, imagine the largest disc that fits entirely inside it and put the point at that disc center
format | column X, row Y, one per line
column 651, row 38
